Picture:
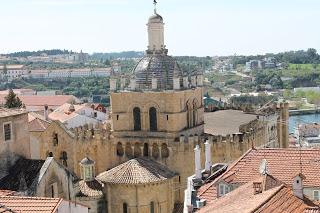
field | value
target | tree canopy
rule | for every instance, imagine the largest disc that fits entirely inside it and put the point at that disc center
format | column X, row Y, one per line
column 12, row 100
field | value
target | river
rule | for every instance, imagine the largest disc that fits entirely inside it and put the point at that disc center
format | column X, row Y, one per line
column 309, row 118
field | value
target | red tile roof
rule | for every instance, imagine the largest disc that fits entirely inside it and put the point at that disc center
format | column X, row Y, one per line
column 30, row 204
column 40, row 101
column 275, row 197
column 283, row 164
column 37, row 123
column 4, row 192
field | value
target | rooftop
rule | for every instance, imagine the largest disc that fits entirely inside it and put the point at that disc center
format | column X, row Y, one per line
column 4, row 112
column 21, row 175
column 37, row 123
column 275, row 197
column 137, row 171
column 41, row 101
column 30, row 204
column 225, row 122
column 282, row 164
column 92, row 188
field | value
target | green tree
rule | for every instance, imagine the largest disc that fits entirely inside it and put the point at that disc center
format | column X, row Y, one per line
column 12, row 101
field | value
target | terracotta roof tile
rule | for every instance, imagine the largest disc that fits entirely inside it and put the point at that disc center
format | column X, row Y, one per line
column 274, row 198
column 4, row 192
column 30, row 204
column 36, row 122
column 4, row 112
column 137, row 171
column 283, row 164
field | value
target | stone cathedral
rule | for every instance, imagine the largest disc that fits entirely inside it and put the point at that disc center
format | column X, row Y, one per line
column 157, row 114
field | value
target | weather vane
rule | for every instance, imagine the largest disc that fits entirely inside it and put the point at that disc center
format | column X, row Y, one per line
column 155, row 6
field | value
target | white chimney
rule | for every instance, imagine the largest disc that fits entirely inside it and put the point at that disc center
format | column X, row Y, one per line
column 113, row 84
column 208, row 156
column 46, row 112
column 185, row 82
column 154, row 83
column 297, row 185
column 133, row 84
column 122, row 83
column 176, row 83
column 197, row 162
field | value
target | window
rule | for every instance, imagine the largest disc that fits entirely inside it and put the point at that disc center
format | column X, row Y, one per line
column 316, row 195
column 223, row 189
column 55, row 139
column 120, row 150
column 137, row 119
column 64, row 158
column 125, row 208
column 145, row 150
column 95, row 114
column 152, row 207
column 153, row 119
column 7, row 131
column 164, row 151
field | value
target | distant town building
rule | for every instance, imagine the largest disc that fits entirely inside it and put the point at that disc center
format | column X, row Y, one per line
column 72, row 115
column 13, row 71
column 70, row 73
column 308, row 135
column 306, row 89
column 266, row 63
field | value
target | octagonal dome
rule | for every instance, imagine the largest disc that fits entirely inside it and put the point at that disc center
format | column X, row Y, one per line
column 162, row 67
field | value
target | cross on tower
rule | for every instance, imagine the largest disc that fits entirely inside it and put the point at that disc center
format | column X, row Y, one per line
column 155, row 6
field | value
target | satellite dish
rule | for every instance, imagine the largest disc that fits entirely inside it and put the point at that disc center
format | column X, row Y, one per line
column 263, row 169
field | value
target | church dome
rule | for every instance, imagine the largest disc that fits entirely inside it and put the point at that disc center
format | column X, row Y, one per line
column 158, row 66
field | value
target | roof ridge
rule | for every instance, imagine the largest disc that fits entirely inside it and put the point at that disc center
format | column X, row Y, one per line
column 269, row 198
column 229, row 168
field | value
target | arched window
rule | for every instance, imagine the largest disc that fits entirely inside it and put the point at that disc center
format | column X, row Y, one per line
column 151, row 207
column 137, row 150
column 120, row 151
column 145, row 150
column 64, row 158
column 125, row 208
column 49, row 154
column 164, row 151
column 55, row 139
column 137, row 119
column 155, row 150
column 153, row 119
column 129, row 150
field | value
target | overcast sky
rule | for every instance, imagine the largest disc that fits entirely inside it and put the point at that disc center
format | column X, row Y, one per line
column 193, row 27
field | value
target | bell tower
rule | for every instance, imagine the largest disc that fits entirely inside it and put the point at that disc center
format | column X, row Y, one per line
column 158, row 112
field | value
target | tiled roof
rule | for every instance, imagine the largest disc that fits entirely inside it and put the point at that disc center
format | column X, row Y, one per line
column 4, row 192
column 30, row 204
column 21, row 175
column 225, row 122
column 37, row 122
column 137, row 171
column 91, row 188
column 274, row 198
column 283, row 164
column 4, row 209
column 4, row 112
column 41, row 101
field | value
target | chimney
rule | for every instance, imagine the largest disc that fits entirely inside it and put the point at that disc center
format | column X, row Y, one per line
column 197, row 162
column 154, row 83
column 46, row 113
column 132, row 84
column 176, row 83
column 208, row 156
column 297, row 185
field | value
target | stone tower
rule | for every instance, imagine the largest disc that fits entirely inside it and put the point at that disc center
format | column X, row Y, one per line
column 157, row 112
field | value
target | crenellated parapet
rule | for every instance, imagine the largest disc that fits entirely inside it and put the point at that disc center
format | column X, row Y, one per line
column 101, row 131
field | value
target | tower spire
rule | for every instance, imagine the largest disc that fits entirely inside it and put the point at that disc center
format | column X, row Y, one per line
column 155, row 6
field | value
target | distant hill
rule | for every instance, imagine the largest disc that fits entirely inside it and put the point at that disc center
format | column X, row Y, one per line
column 38, row 53
column 115, row 55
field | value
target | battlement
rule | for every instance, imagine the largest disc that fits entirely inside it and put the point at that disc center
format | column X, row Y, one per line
column 101, row 131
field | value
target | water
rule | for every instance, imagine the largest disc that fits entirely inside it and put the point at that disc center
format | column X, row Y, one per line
column 295, row 119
